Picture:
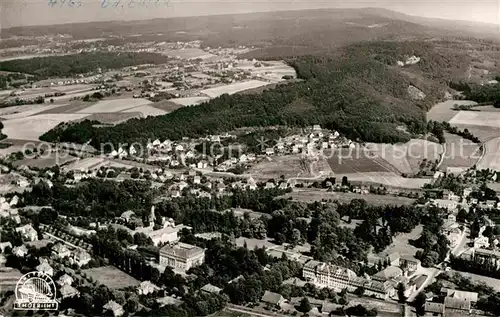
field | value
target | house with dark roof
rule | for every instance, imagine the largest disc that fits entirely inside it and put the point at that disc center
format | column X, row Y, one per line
column 436, row 309
column 457, row 305
column 273, row 299
column 181, row 256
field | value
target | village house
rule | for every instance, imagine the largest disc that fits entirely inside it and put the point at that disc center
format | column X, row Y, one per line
column 68, row 291
column 409, row 263
column 146, row 287
column 181, row 256
column 27, row 232
column 65, row 279
column 114, row 307
column 481, row 242
column 20, row 251
column 60, row 250
column 434, row 309
column 4, row 246
column 80, row 257
column 45, row 267
column 211, row 289
column 273, row 300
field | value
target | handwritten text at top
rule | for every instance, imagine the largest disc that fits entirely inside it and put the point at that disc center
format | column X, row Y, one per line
column 131, row 4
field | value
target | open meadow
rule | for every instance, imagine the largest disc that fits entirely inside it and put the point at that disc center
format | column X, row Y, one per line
column 388, row 179
column 115, row 105
column 290, row 166
column 233, row 88
column 443, row 111
column 311, row 195
column 358, row 160
column 189, row 101
column 491, row 158
column 480, row 118
column 111, row 277
column 31, row 127
column 459, row 152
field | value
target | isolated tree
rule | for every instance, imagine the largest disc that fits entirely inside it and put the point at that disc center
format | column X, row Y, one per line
column 419, row 303
column 304, row 306
column 401, row 293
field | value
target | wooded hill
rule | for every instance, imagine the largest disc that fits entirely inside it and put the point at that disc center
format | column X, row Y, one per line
column 357, row 91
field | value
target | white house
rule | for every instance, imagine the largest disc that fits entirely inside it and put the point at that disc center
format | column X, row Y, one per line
column 181, row 256
column 20, row 251
column 61, row 250
column 65, row 280
column 27, row 232
column 45, row 267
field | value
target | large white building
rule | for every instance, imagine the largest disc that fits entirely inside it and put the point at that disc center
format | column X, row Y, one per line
column 339, row 278
column 181, row 256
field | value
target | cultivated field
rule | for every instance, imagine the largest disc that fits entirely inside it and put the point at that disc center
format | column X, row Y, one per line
column 233, row 88
column 189, row 101
column 311, row 195
column 386, row 179
column 147, row 110
column 418, row 150
column 85, row 164
column 484, row 133
column 290, row 166
column 358, row 160
column 481, row 118
column 113, row 117
column 24, row 110
column 30, row 128
column 443, row 111
column 166, row 105
column 49, row 160
column 491, row 159
column 394, row 154
column 115, row 105
column 111, row 277
column 459, row 152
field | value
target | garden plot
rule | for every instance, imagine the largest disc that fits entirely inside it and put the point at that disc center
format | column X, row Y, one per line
column 31, row 128
column 491, row 158
column 480, row 118
column 233, row 88
column 115, row 105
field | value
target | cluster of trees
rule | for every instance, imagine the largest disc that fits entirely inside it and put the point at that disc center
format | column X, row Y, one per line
column 93, row 197
column 347, row 94
column 479, row 93
column 434, row 243
column 477, row 265
column 69, row 65
column 438, row 128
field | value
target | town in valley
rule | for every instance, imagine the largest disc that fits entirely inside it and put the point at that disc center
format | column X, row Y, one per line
column 332, row 162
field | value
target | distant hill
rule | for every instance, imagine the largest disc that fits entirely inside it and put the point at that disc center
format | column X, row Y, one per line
column 301, row 31
column 357, row 91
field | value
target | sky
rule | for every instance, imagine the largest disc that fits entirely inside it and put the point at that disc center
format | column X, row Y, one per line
column 39, row 12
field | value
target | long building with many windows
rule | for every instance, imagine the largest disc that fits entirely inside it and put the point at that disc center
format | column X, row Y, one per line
column 339, row 278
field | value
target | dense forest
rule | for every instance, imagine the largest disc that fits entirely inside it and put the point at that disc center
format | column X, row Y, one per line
column 69, row 65
column 479, row 93
column 361, row 97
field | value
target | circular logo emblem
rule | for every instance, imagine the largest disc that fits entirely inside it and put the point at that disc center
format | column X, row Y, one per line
column 35, row 291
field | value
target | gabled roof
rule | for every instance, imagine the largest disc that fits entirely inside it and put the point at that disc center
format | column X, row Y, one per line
column 209, row 288
column 456, row 303
column 272, row 298
column 469, row 296
column 435, row 308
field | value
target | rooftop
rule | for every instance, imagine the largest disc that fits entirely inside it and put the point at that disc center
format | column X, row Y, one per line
column 182, row 250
